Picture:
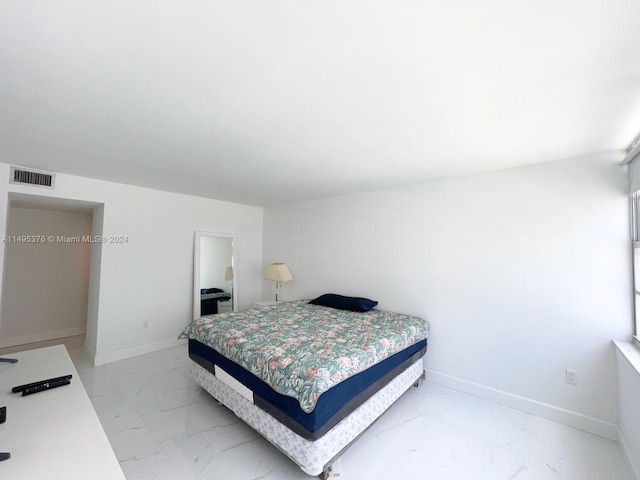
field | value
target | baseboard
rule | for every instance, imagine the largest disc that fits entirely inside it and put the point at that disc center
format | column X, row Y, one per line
column 134, row 351
column 527, row 405
column 633, row 468
column 42, row 337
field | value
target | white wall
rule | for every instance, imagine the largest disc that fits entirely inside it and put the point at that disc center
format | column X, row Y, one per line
column 521, row 274
column 45, row 284
column 150, row 278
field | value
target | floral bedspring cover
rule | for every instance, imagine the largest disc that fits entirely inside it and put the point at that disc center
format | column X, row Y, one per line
column 303, row 350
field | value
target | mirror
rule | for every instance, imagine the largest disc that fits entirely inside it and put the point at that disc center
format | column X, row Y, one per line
column 214, row 274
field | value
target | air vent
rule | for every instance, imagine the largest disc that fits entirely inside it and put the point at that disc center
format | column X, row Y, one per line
column 25, row 176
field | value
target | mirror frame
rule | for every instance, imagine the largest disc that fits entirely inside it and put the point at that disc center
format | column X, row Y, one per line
column 198, row 235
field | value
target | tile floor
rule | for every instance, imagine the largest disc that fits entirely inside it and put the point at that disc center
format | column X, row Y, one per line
column 163, row 426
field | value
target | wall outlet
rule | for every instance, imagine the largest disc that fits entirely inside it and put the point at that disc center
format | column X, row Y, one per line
column 571, row 377
column 145, row 324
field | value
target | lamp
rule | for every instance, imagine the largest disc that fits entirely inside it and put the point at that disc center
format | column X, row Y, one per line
column 228, row 274
column 279, row 273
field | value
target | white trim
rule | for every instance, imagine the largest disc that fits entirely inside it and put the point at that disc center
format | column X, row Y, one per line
column 634, row 469
column 527, row 405
column 635, row 151
column 630, row 352
column 199, row 234
column 42, row 337
column 103, row 358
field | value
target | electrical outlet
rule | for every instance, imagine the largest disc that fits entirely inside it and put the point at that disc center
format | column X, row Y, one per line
column 571, row 377
column 145, row 324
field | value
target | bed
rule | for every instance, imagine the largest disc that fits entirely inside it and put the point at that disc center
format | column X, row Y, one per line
column 309, row 378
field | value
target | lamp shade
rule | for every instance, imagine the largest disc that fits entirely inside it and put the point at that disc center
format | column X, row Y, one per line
column 278, row 272
column 228, row 274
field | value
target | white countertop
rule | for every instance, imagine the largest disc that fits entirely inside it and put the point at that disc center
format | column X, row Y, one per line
column 54, row 434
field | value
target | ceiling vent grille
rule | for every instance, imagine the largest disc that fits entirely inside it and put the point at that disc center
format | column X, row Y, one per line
column 24, row 176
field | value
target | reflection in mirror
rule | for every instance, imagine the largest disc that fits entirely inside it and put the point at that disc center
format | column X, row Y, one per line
column 214, row 282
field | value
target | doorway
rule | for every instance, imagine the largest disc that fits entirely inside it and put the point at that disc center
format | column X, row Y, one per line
column 48, row 266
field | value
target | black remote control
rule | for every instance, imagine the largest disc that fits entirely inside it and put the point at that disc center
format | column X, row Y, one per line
column 21, row 388
column 46, row 386
column 5, row 456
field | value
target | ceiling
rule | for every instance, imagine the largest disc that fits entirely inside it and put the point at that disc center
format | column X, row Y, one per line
column 268, row 102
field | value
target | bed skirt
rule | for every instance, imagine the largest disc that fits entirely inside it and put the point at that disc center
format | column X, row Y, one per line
column 313, row 457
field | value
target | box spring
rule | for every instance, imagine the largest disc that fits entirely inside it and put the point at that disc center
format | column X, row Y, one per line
column 314, row 457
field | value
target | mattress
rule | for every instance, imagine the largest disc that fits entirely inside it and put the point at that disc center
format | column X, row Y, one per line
column 331, row 407
column 303, row 350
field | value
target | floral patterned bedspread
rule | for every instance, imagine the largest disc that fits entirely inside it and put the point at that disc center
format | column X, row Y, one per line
column 303, row 350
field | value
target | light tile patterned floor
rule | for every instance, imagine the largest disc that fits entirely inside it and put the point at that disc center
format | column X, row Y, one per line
column 163, row 426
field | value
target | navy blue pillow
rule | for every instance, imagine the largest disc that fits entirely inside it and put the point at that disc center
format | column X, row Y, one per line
column 355, row 304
